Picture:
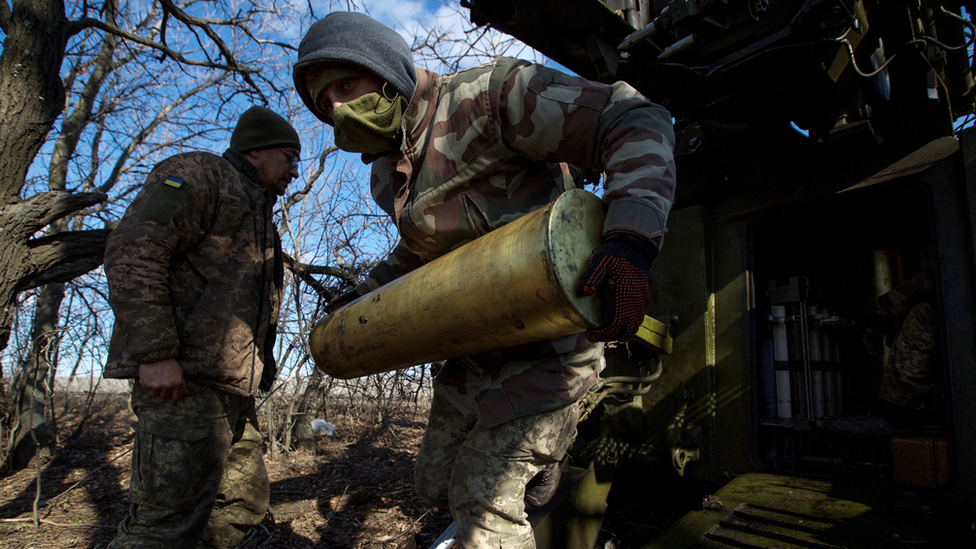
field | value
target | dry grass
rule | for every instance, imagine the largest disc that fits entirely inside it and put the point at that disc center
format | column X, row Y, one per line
column 354, row 491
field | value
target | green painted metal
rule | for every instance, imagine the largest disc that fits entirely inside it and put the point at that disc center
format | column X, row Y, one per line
column 655, row 335
column 756, row 202
column 763, row 510
column 575, row 522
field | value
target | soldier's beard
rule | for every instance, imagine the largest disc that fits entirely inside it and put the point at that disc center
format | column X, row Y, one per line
column 276, row 186
column 369, row 123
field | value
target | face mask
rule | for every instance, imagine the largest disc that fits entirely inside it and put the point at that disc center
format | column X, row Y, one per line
column 369, row 123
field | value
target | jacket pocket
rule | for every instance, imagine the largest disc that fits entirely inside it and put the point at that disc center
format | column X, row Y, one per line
column 478, row 222
column 203, row 327
column 571, row 90
column 173, row 460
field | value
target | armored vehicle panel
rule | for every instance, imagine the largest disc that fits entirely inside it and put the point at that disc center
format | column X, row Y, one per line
column 822, row 225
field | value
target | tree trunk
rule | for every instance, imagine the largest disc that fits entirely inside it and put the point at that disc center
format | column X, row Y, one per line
column 31, row 98
column 34, row 405
column 309, row 404
column 35, row 400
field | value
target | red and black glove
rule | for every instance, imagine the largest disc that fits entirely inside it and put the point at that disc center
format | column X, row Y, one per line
column 618, row 271
column 341, row 300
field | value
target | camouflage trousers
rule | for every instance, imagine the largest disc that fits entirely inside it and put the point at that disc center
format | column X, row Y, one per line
column 910, row 373
column 198, row 476
column 480, row 474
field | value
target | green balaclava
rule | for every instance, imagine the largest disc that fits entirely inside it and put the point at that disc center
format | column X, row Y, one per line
column 369, row 123
column 344, row 39
column 353, row 39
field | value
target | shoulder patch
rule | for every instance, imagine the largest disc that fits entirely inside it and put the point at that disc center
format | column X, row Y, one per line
column 174, row 182
column 164, row 201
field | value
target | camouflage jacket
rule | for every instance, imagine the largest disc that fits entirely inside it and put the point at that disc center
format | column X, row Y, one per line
column 195, row 273
column 487, row 145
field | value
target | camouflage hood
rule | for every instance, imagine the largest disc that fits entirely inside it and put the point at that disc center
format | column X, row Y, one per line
column 355, row 38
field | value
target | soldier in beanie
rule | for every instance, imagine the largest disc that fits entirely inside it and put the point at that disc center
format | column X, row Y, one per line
column 195, row 275
column 454, row 157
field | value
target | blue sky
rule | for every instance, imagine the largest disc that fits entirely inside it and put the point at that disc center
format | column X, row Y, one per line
column 403, row 15
column 414, row 17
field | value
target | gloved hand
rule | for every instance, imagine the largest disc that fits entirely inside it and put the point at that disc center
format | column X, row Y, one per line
column 619, row 271
column 341, row 300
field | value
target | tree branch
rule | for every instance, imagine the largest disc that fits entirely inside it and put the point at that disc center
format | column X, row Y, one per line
column 305, row 273
column 265, row 42
column 29, row 216
column 63, row 256
column 5, row 16
column 73, row 123
column 297, row 196
column 139, row 138
column 88, row 22
column 192, row 22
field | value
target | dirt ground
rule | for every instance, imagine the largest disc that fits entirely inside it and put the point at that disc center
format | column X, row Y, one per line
column 356, row 491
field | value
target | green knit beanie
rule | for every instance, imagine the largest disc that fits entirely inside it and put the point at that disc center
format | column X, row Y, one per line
column 262, row 128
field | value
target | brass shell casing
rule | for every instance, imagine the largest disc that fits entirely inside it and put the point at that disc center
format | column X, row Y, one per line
column 513, row 286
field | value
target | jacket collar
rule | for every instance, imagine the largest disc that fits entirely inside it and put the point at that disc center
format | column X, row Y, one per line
column 243, row 165
column 421, row 108
column 417, row 118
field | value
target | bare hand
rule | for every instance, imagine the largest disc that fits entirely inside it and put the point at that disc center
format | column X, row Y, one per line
column 163, row 379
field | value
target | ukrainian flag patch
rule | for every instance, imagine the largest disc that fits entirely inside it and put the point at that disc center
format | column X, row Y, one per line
column 174, row 182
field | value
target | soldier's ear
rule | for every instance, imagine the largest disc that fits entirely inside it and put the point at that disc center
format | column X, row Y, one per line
column 258, row 157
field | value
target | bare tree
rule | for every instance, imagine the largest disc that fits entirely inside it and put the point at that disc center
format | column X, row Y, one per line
column 93, row 95
column 129, row 82
column 333, row 236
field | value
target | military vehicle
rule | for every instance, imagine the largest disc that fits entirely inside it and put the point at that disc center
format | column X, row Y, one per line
column 823, row 195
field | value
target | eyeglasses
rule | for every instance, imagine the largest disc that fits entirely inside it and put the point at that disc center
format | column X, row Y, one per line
column 293, row 159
